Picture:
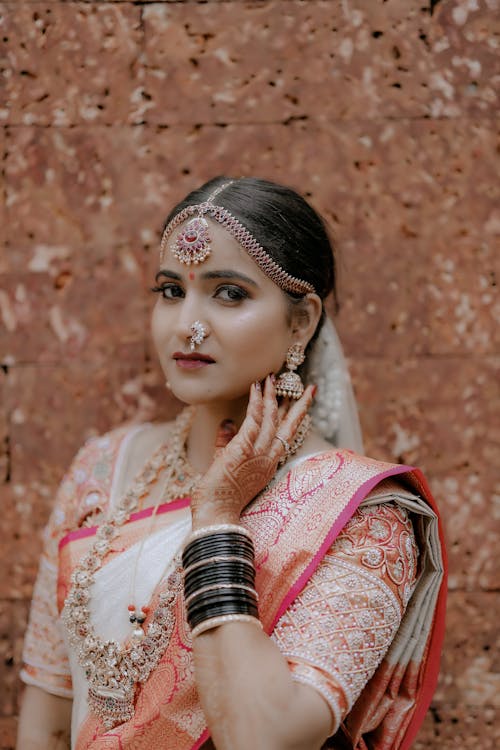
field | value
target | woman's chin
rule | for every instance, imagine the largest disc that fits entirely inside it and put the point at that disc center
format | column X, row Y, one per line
column 198, row 397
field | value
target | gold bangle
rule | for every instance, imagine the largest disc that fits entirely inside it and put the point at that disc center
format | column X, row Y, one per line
column 215, row 529
column 214, row 622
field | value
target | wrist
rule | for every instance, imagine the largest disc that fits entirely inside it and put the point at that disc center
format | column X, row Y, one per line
column 210, row 517
column 207, row 509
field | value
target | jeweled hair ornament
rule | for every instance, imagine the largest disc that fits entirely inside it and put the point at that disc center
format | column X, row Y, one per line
column 192, row 245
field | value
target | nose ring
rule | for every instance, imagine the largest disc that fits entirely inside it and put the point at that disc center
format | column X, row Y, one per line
column 199, row 332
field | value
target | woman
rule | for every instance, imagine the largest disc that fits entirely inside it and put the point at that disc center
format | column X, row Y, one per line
column 238, row 578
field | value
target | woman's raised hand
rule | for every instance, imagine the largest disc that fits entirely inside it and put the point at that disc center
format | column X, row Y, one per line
column 246, row 461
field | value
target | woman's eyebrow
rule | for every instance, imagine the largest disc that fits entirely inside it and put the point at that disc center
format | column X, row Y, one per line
column 168, row 274
column 223, row 274
column 228, row 275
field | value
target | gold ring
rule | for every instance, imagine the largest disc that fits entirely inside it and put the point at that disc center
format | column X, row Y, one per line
column 284, row 443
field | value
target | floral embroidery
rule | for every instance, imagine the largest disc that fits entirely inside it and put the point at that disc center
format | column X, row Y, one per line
column 340, row 626
column 382, row 536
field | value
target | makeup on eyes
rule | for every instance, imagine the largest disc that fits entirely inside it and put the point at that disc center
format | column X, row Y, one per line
column 231, row 293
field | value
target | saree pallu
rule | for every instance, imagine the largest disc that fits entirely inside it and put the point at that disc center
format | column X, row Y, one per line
column 294, row 524
column 392, row 706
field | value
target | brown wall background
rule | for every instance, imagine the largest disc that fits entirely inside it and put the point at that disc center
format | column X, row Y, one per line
column 384, row 114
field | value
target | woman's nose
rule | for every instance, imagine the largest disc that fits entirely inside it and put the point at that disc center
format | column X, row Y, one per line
column 192, row 321
column 199, row 333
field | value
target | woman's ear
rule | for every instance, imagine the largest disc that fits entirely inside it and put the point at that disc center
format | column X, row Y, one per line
column 305, row 318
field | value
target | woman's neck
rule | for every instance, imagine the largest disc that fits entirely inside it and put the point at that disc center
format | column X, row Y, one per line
column 206, row 423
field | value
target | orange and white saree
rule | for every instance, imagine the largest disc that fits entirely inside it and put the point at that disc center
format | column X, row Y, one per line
column 350, row 574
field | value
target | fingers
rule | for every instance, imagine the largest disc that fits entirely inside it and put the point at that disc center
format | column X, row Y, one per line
column 269, row 416
column 296, row 413
column 282, row 409
column 264, row 420
column 291, row 420
column 251, row 425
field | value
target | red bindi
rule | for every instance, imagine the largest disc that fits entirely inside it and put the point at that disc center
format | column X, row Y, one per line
column 191, row 276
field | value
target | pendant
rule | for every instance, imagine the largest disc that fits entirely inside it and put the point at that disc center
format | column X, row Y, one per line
column 137, row 634
column 193, row 243
column 113, row 705
column 137, row 620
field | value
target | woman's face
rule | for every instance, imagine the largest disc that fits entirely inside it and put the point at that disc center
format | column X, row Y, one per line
column 244, row 313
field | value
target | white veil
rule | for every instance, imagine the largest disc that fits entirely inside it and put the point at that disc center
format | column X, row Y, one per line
column 334, row 411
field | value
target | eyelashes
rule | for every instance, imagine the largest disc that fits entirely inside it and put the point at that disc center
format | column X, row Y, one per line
column 164, row 288
column 234, row 293
column 225, row 292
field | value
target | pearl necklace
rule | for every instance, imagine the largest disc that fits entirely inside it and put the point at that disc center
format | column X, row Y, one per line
column 114, row 671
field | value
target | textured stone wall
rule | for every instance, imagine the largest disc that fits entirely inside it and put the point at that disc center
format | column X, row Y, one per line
column 385, row 114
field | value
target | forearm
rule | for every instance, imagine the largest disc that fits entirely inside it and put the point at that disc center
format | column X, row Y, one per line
column 44, row 721
column 249, row 697
column 244, row 683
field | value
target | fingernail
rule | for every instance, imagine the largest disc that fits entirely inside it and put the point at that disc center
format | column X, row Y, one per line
column 227, row 424
column 315, row 388
column 257, row 385
column 272, row 377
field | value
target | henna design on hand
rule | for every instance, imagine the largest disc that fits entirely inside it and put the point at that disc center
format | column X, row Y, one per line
column 248, row 461
column 248, row 479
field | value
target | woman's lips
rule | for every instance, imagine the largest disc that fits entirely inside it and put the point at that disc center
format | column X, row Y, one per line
column 191, row 364
column 192, row 361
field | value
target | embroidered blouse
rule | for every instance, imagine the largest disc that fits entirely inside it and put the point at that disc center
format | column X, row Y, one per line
column 334, row 634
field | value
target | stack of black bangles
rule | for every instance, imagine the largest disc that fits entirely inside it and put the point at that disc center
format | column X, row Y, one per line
column 219, row 577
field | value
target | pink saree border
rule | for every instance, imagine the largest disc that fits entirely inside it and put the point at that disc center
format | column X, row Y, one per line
column 201, row 741
column 335, row 530
column 181, row 502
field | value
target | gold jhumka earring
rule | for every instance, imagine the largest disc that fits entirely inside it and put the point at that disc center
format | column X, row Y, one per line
column 289, row 383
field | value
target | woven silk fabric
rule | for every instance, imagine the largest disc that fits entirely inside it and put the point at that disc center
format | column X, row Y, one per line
column 294, row 525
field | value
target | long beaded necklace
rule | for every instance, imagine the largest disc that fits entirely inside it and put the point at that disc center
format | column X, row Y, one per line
column 114, row 671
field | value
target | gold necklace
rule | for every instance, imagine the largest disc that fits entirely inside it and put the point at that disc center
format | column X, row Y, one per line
column 187, row 481
column 114, row 671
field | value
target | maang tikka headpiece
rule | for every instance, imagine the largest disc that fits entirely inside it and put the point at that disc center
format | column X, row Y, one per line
column 192, row 245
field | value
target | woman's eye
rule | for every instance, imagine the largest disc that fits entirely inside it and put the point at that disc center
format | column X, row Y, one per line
column 169, row 291
column 230, row 293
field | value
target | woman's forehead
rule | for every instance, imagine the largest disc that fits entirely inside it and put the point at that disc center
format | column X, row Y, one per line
column 225, row 252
